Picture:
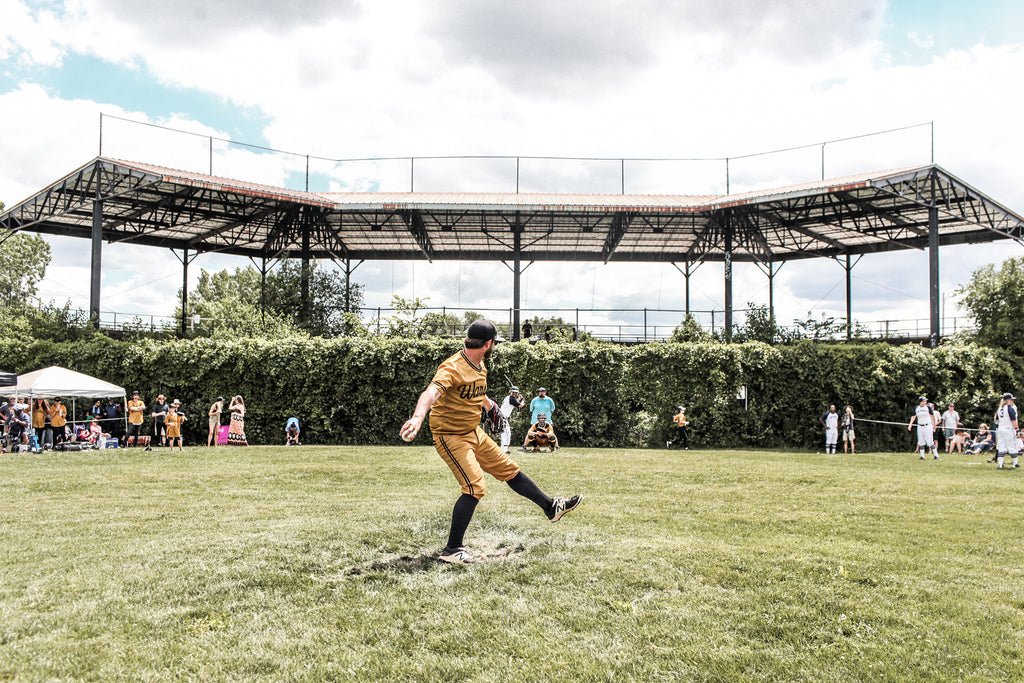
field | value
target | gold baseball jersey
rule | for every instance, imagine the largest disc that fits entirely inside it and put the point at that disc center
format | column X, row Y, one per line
column 680, row 419
column 463, row 388
column 135, row 416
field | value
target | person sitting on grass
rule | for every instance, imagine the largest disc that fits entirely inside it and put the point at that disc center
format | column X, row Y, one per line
column 982, row 441
column 959, row 440
column 541, row 434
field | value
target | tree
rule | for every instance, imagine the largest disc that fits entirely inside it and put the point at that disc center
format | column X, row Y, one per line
column 759, row 326
column 994, row 299
column 231, row 302
column 24, row 258
column 690, row 331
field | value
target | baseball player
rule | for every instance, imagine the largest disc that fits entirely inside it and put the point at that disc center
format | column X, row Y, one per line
column 541, row 434
column 1006, row 431
column 926, row 420
column 455, row 398
column 510, row 403
column 830, row 421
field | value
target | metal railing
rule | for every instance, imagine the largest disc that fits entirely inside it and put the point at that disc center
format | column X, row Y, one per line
column 622, row 325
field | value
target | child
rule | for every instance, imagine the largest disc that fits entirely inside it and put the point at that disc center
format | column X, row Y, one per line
column 959, row 438
column 173, row 423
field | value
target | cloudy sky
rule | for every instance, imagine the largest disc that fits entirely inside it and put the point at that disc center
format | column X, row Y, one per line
column 647, row 78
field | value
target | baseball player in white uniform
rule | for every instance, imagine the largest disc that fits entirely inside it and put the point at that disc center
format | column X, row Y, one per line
column 512, row 401
column 926, row 420
column 831, row 422
column 1006, row 431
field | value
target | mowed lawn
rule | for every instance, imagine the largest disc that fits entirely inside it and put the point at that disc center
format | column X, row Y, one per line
column 317, row 563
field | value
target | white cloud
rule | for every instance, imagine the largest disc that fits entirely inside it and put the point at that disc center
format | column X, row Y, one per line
column 645, row 79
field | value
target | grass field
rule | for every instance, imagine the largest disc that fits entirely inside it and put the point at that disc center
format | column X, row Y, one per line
column 317, row 563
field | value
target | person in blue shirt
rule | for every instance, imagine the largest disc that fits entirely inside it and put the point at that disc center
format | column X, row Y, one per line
column 291, row 432
column 542, row 403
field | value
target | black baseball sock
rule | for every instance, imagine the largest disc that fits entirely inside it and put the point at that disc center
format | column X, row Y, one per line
column 462, row 513
column 525, row 487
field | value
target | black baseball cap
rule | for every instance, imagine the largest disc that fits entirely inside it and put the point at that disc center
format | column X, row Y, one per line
column 483, row 330
column 1009, row 397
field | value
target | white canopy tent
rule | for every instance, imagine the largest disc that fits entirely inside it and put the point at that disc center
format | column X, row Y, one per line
column 54, row 381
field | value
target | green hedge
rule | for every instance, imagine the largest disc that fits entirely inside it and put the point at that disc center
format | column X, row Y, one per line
column 360, row 390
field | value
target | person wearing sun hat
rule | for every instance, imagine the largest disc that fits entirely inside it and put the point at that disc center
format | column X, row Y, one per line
column 213, row 415
column 174, row 421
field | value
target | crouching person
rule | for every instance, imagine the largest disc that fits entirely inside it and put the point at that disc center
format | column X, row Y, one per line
column 541, row 434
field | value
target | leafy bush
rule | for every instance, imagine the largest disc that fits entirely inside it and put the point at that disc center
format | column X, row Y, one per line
column 359, row 390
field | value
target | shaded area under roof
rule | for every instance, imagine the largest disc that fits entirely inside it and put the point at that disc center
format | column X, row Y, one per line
column 162, row 207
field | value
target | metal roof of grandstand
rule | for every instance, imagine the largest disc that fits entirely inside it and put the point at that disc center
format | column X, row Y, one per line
column 871, row 212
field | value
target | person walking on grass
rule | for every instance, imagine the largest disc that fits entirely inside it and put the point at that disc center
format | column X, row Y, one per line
column 926, row 420
column 455, row 399
column 1006, row 431
column 950, row 420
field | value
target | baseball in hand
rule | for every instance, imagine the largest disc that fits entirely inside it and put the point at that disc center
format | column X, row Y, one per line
column 407, row 437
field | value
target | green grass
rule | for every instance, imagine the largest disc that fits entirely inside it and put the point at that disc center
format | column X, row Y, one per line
column 317, row 563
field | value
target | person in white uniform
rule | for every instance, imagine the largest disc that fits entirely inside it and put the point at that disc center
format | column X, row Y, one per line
column 1006, row 432
column 830, row 421
column 511, row 402
column 926, row 420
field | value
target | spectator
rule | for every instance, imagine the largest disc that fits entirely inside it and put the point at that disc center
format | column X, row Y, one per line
column 982, row 441
column 214, row 421
column 18, row 425
column 292, row 432
column 5, row 414
column 527, row 330
column 236, row 430
column 949, row 419
column 40, row 415
column 848, row 434
column 158, row 413
column 541, row 403
column 136, row 410
column 114, row 414
column 96, row 433
column 58, row 421
column 959, row 439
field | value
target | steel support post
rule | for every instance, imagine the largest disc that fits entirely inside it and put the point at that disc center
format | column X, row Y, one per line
column 97, row 257
column 184, row 291
column 517, row 243
column 727, row 267
column 305, row 304
column 933, row 275
column 849, row 298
